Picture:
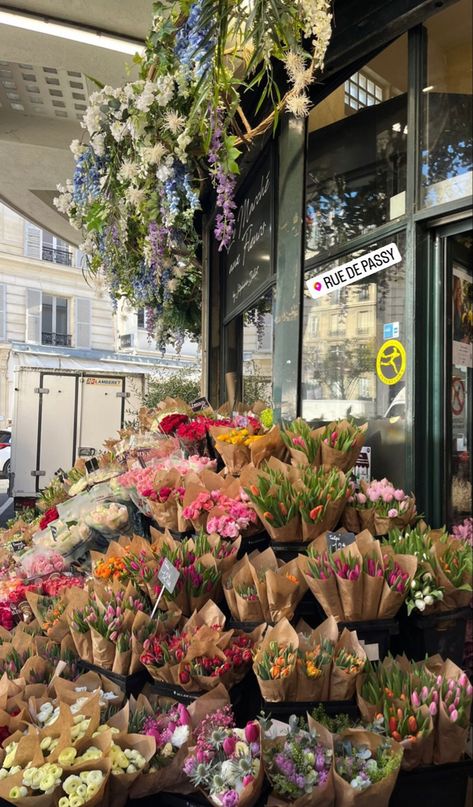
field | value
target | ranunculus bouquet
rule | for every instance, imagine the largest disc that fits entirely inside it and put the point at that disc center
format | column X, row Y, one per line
column 109, row 518
column 379, row 507
column 225, row 762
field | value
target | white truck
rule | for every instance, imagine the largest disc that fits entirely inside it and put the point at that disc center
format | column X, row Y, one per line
column 60, row 415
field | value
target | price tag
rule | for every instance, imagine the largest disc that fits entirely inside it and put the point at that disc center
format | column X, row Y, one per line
column 371, row 650
column 53, row 531
column 17, row 546
column 199, row 404
column 91, row 465
column 168, row 575
column 340, row 539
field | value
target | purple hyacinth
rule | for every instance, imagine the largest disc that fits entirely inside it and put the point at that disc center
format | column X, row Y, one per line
column 224, row 184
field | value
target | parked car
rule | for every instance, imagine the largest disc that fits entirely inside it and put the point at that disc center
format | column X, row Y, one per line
column 5, row 451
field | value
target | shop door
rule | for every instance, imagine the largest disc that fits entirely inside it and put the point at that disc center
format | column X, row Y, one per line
column 457, row 254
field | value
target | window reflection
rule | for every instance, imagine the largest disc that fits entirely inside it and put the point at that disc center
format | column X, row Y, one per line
column 447, row 107
column 356, row 178
column 339, row 358
column 257, row 366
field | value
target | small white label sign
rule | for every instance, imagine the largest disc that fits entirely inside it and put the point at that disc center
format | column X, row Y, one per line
column 360, row 268
column 168, row 575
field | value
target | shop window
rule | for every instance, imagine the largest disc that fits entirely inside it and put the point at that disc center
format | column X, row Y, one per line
column 446, row 165
column 356, row 166
column 340, row 380
column 257, row 365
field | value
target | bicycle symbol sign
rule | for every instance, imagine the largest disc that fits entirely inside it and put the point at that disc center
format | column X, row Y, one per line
column 391, row 362
column 458, row 396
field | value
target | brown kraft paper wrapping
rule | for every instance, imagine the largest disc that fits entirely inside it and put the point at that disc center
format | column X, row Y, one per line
column 103, row 650
column 324, row 591
column 351, row 591
column 450, row 738
column 321, row 796
column 368, row 710
column 283, row 688
column 268, row 445
column 248, row 610
column 372, row 586
column 378, row 794
column 453, row 597
column 289, row 533
column 344, row 460
column 421, row 750
column 343, row 682
column 282, row 593
column 391, row 601
column 119, row 785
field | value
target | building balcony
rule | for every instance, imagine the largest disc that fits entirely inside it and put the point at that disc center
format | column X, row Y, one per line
column 56, row 255
column 56, row 339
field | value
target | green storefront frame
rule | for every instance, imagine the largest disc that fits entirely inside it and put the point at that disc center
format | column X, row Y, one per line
column 425, row 300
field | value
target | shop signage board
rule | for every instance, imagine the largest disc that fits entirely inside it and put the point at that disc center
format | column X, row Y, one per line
column 339, row 276
column 248, row 262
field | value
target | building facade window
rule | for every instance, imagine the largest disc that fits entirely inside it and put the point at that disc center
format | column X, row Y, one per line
column 140, row 317
column 55, row 321
column 44, row 246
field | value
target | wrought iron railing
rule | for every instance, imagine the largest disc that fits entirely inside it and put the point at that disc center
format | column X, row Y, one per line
column 56, row 339
column 56, row 255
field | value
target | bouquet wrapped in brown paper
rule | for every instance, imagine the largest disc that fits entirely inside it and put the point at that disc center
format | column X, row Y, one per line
column 202, row 654
column 386, row 577
column 453, row 570
column 129, row 755
column 275, row 662
column 357, row 754
column 308, row 754
column 234, row 446
column 314, row 661
column 233, row 756
column 379, row 507
column 272, row 493
column 303, row 443
column 348, row 661
column 454, row 714
column 341, row 443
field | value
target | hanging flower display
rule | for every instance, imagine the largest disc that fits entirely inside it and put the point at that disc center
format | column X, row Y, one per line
column 152, row 143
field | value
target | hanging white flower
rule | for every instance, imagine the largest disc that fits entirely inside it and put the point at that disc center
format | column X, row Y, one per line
column 77, row 148
column 135, row 196
column 128, row 171
column 146, row 97
column 118, row 130
column 173, row 121
column 298, row 105
column 153, row 154
column 165, row 90
column 98, row 144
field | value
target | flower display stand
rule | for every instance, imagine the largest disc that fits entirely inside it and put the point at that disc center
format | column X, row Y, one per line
column 427, row 634
column 129, row 684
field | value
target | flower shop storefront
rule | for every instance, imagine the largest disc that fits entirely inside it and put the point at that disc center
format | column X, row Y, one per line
column 347, row 288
